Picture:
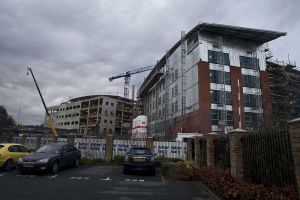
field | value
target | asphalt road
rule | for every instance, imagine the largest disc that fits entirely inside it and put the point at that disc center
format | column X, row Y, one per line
column 96, row 182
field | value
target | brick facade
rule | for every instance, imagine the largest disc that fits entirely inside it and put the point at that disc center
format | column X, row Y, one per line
column 235, row 75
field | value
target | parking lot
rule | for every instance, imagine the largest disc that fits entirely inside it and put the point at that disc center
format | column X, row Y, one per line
column 96, row 182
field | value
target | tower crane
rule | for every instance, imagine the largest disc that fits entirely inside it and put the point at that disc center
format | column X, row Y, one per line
column 50, row 120
column 127, row 76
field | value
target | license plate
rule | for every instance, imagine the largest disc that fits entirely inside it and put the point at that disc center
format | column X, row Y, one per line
column 27, row 165
column 139, row 159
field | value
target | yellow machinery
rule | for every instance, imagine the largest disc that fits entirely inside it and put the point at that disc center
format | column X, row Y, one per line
column 50, row 120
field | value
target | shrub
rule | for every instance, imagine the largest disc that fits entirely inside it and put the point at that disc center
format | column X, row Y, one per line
column 162, row 159
column 119, row 160
column 227, row 187
column 187, row 170
column 168, row 169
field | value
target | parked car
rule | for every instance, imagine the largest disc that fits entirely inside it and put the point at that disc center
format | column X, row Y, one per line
column 139, row 159
column 50, row 158
column 10, row 153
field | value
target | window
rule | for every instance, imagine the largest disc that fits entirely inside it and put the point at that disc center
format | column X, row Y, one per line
column 176, row 74
column 220, row 77
column 216, row 57
column 106, row 113
column 217, row 95
column 216, row 116
column 251, row 119
column 176, row 89
column 105, row 121
column 249, row 63
column 192, row 42
column 251, row 100
column 250, row 81
column 112, row 104
column 23, row 149
column 173, row 92
column 106, row 103
column 173, row 107
column 176, row 106
column 110, row 121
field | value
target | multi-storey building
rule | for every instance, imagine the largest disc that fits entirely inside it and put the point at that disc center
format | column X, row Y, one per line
column 94, row 115
column 212, row 80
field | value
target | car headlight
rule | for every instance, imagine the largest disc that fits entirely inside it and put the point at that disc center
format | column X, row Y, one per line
column 20, row 160
column 43, row 160
column 126, row 159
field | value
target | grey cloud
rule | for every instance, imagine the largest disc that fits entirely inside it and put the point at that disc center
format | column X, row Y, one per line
column 74, row 46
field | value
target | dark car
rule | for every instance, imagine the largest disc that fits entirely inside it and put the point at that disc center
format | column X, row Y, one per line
column 139, row 159
column 50, row 158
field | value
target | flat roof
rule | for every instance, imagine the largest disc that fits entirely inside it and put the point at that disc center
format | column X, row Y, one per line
column 259, row 36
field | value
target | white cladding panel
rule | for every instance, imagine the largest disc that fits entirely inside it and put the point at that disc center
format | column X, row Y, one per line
column 91, row 148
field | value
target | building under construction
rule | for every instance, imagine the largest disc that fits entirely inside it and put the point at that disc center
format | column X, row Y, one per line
column 285, row 90
column 213, row 79
column 95, row 115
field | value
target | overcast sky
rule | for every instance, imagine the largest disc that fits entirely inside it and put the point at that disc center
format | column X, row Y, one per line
column 74, row 46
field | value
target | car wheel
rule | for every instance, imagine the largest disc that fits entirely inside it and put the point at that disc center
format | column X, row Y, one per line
column 76, row 162
column 55, row 167
column 8, row 165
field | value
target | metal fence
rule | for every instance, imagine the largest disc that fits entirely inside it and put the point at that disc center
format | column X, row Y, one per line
column 268, row 159
column 222, row 152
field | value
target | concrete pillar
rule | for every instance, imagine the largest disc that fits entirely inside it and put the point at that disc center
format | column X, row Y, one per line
column 236, row 153
column 149, row 143
column 294, row 127
column 210, row 149
column 109, row 148
column 38, row 141
column 54, row 139
column 197, row 150
column 23, row 139
column 71, row 139
column 190, row 148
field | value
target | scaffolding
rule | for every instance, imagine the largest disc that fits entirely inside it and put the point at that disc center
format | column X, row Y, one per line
column 166, row 97
column 183, row 83
column 284, row 89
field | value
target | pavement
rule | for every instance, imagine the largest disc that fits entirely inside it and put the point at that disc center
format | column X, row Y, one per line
column 97, row 182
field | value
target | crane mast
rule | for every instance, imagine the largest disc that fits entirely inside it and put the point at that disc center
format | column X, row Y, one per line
column 50, row 120
column 127, row 76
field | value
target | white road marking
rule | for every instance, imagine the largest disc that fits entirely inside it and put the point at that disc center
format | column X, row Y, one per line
column 141, row 180
column 3, row 174
column 31, row 176
column 127, row 179
column 79, row 178
column 54, row 176
column 106, row 179
column 134, row 180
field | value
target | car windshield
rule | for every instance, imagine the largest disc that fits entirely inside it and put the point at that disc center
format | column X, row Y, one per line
column 140, row 151
column 1, row 146
column 48, row 149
